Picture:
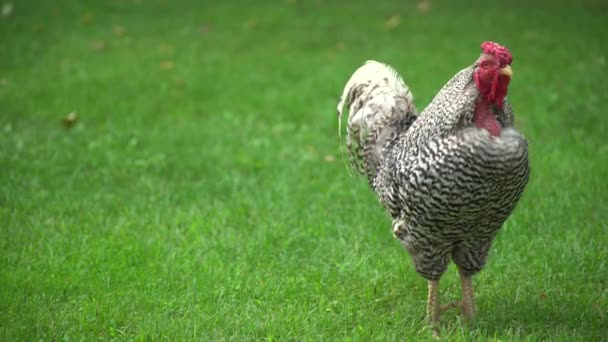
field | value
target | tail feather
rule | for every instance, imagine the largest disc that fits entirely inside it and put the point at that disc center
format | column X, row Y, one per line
column 380, row 105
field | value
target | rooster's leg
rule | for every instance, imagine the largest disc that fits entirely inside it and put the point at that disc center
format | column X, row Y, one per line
column 468, row 299
column 467, row 304
column 432, row 306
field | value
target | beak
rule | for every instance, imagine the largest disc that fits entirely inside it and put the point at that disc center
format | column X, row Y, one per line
column 506, row 71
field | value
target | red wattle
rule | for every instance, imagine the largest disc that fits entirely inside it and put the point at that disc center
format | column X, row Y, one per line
column 484, row 118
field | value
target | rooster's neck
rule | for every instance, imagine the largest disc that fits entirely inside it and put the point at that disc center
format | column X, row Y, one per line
column 484, row 117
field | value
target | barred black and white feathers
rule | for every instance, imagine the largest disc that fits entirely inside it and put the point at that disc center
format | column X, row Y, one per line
column 379, row 104
column 449, row 199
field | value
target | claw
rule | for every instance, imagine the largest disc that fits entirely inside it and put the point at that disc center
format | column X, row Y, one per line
column 454, row 304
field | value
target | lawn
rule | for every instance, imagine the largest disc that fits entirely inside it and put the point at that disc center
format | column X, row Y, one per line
column 201, row 194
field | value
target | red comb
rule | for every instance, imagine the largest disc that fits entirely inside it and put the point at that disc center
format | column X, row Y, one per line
column 500, row 52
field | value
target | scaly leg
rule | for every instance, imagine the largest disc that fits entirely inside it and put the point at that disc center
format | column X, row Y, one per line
column 432, row 305
column 467, row 304
column 468, row 299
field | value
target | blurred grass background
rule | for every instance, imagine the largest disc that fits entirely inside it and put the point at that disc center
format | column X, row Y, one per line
column 201, row 193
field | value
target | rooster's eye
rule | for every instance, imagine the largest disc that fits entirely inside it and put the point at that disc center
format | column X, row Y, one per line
column 485, row 64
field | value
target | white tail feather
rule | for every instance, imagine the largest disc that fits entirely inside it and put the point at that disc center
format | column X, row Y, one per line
column 374, row 94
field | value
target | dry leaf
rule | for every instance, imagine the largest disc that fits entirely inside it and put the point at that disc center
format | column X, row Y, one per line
column 70, row 120
column 291, row 2
column 98, row 45
column 3, row 82
column 424, row 6
column 204, row 29
column 392, row 22
column 7, row 9
column 251, row 24
column 597, row 307
column 65, row 63
column 167, row 65
column 119, row 30
column 329, row 158
column 543, row 296
column 530, row 35
column 87, row 18
column 340, row 46
column 283, row 46
column 165, row 48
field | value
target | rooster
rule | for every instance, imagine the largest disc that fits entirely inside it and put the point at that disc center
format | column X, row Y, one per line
column 449, row 177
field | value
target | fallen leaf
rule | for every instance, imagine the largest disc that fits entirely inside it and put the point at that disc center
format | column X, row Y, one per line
column 251, row 24
column 38, row 28
column 180, row 83
column 291, row 2
column 3, row 82
column 283, row 46
column 424, row 6
column 7, row 9
column 98, row 45
column 597, row 307
column 165, row 48
column 392, row 23
column 87, row 18
column 167, row 65
column 119, row 30
column 329, row 158
column 340, row 46
column 531, row 35
column 70, row 120
column 543, row 296
column 204, row 29
column 65, row 63
column 600, row 60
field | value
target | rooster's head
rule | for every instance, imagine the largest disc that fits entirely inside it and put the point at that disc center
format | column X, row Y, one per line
column 493, row 72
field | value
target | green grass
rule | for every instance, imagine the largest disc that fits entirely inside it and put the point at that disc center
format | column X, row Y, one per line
column 193, row 199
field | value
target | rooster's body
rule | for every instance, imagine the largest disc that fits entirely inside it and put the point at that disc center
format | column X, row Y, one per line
column 448, row 177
